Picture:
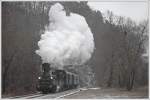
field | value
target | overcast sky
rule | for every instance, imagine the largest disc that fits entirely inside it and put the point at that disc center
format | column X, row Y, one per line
column 135, row 10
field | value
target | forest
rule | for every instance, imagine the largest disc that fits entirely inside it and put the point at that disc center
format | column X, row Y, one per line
column 118, row 60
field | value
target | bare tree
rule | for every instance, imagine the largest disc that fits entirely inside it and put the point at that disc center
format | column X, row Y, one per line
column 132, row 46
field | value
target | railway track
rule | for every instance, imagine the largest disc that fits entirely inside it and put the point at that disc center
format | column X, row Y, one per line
column 15, row 97
column 34, row 96
column 58, row 95
column 51, row 95
column 67, row 94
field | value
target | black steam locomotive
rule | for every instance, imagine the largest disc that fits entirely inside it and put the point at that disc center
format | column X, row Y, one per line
column 55, row 80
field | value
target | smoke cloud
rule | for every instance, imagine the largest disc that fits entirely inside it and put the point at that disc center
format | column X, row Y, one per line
column 67, row 40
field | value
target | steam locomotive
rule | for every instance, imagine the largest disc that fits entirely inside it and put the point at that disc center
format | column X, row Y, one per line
column 55, row 80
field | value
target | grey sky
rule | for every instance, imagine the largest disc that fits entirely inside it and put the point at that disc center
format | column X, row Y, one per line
column 135, row 10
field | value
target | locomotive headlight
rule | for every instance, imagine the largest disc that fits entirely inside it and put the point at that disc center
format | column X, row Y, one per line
column 39, row 78
column 51, row 77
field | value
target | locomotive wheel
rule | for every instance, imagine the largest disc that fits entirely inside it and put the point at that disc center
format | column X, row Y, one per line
column 54, row 88
column 44, row 92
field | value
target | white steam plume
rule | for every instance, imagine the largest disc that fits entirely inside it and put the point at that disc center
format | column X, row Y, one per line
column 67, row 40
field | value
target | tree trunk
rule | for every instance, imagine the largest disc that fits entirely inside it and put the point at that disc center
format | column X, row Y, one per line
column 109, row 83
column 6, row 67
column 119, row 81
column 130, row 81
column 3, row 84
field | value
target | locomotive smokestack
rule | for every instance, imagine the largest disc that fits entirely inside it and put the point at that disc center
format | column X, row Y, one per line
column 46, row 67
column 67, row 40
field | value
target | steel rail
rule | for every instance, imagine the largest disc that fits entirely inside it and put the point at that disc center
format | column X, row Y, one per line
column 15, row 97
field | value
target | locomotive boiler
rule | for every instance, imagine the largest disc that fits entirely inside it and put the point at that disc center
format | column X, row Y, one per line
column 55, row 80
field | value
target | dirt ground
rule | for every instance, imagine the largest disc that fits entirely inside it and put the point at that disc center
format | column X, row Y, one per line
column 103, row 93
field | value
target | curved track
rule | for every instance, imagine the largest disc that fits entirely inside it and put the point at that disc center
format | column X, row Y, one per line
column 47, row 96
column 15, row 97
